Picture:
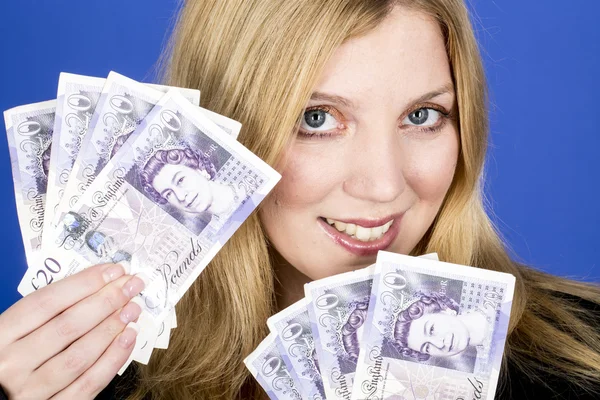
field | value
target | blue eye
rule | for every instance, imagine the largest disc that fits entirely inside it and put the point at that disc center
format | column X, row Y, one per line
column 422, row 117
column 180, row 181
column 318, row 120
column 431, row 330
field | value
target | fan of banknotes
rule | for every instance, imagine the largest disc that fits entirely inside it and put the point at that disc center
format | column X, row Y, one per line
column 405, row 328
column 114, row 170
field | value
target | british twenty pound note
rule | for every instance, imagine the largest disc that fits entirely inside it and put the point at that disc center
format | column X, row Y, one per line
column 76, row 101
column 337, row 308
column 123, row 104
column 29, row 132
column 435, row 331
column 267, row 366
column 165, row 203
column 297, row 347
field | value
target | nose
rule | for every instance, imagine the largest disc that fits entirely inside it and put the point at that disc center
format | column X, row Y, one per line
column 437, row 341
column 376, row 164
column 180, row 194
column 448, row 340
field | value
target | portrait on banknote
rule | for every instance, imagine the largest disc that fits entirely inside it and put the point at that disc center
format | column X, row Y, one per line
column 182, row 175
column 428, row 331
column 178, row 175
column 436, row 325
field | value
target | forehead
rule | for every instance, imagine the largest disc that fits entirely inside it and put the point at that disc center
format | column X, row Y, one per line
column 416, row 336
column 164, row 177
column 405, row 56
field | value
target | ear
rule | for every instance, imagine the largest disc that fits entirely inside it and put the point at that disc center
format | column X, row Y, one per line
column 205, row 174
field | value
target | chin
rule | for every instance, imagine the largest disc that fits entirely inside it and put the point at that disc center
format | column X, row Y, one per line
column 340, row 268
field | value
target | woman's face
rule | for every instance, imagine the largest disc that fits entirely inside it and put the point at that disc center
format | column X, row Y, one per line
column 184, row 188
column 375, row 154
column 438, row 334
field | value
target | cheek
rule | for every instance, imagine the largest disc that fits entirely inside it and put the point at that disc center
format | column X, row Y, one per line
column 306, row 181
column 430, row 168
column 289, row 215
column 197, row 184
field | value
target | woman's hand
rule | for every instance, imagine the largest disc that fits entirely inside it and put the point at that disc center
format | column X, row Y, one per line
column 68, row 340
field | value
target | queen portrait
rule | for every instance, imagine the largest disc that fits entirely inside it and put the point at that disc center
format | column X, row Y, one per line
column 185, row 180
column 431, row 330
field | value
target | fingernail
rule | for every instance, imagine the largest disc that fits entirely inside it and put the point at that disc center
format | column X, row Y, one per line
column 128, row 336
column 130, row 312
column 126, row 266
column 112, row 272
column 138, row 300
column 145, row 278
column 133, row 287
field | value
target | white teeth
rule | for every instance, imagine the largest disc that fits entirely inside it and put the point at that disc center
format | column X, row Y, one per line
column 359, row 232
column 340, row 226
column 363, row 233
column 376, row 232
column 387, row 226
column 350, row 229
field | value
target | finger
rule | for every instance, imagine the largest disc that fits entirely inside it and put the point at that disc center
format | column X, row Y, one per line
column 63, row 369
column 75, row 322
column 99, row 375
column 41, row 306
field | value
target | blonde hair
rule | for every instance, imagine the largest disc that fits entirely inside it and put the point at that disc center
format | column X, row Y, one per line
column 257, row 61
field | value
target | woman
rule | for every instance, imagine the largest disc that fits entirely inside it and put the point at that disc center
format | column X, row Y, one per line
column 391, row 100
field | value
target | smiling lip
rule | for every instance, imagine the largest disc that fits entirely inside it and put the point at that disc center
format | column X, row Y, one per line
column 357, row 247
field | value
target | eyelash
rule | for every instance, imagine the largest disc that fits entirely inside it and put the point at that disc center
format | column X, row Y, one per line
column 445, row 116
column 319, row 135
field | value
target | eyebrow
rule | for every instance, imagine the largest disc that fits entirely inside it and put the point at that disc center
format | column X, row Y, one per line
column 332, row 98
column 445, row 89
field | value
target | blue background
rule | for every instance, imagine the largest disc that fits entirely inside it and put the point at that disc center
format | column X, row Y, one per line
column 542, row 63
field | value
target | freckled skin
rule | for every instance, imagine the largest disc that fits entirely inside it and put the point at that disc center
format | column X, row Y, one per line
column 377, row 165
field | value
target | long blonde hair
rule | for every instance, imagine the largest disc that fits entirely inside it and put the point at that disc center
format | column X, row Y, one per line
column 257, row 61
